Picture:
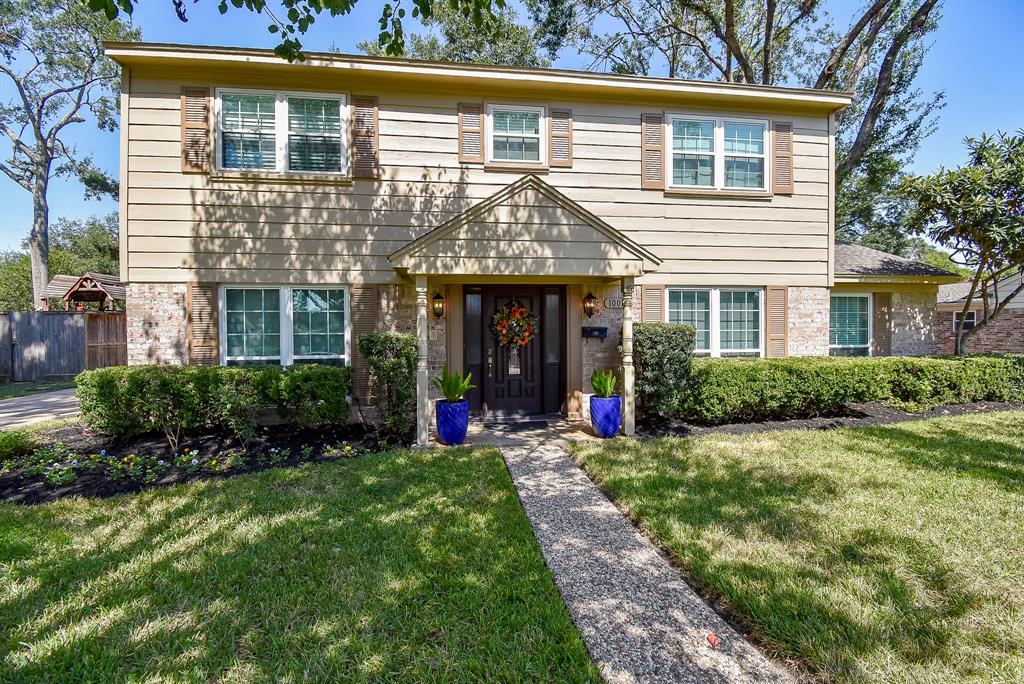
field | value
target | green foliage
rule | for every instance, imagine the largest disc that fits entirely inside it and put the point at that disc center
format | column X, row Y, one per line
column 663, row 356
column 129, row 400
column 747, row 390
column 452, row 385
column 392, row 361
column 15, row 443
column 499, row 39
column 604, row 383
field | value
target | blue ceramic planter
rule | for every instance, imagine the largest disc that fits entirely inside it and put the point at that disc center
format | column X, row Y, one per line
column 452, row 421
column 606, row 415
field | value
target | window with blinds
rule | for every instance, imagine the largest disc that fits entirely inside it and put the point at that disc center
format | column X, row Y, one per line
column 282, row 132
column 849, row 332
column 516, row 134
column 718, row 154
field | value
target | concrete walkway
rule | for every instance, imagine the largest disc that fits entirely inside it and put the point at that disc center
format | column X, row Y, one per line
column 639, row 619
column 36, row 408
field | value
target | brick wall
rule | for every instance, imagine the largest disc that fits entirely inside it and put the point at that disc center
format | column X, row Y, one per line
column 913, row 323
column 157, row 324
column 808, row 321
column 1004, row 334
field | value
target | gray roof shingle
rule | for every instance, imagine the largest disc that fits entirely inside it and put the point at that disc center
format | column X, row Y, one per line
column 857, row 260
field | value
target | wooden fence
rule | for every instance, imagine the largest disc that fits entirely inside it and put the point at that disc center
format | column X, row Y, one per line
column 42, row 344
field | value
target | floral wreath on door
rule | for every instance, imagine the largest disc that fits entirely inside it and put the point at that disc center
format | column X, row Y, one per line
column 513, row 325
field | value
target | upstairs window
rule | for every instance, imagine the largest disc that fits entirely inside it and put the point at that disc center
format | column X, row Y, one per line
column 516, row 134
column 718, row 153
column 282, row 132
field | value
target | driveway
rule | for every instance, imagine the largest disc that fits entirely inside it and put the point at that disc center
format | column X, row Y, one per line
column 36, row 408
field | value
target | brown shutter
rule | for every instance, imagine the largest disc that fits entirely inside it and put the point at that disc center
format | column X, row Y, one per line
column 560, row 137
column 652, row 150
column 203, row 346
column 364, row 320
column 471, row 133
column 777, row 312
column 365, row 137
column 652, row 301
column 782, row 158
column 881, row 324
column 195, row 130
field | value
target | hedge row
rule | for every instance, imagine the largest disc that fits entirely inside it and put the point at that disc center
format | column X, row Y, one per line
column 129, row 400
column 744, row 390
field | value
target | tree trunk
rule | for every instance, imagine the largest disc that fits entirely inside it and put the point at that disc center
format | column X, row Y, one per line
column 39, row 238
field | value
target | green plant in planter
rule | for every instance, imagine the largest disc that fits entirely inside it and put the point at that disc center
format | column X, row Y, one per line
column 604, row 383
column 452, row 385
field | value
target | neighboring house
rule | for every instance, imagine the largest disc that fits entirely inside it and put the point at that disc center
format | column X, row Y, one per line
column 1005, row 333
column 272, row 212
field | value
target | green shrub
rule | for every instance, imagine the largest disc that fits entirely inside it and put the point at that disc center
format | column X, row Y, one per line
column 663, row 357
column 743, row 390
column 128, row 400
column 16, row 443
column 392, row 361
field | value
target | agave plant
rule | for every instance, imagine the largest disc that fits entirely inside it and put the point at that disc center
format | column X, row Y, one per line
column 604, row 383
column 452, row 385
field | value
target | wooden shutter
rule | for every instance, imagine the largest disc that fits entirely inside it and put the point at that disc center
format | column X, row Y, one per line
column 777, row 314
column 652, row 151
column 365, row 137
column 782, row 158
column 560, row 137
column 471, row 133
column 364, row 320
column 203, row 344
column 652, row 301
column 195, row 130
column 881, row 324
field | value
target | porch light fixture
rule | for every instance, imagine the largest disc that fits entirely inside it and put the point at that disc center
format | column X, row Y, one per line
column 590, row 304
column 438, row 305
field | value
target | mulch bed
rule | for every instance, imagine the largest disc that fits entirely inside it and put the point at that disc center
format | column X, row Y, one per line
column 856, row 415
column 17, row 487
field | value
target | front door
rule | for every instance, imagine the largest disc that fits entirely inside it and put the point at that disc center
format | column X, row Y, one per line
column 515, row 381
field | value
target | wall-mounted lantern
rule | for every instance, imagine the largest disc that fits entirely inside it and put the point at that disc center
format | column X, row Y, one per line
column 590, row 304
column 438, row 305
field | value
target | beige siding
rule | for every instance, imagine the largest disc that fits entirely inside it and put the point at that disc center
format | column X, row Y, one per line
column 196, row 227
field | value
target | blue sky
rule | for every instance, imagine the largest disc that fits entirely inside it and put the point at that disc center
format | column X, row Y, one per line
column 976, row 59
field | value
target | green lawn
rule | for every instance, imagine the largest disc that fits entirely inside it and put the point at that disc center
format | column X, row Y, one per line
column 886, row 554
column 10, row 390
column 407, row 566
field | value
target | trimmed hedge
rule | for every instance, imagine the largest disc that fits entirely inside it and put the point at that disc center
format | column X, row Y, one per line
column 127, row 400
column 747, row 390
column 662, row 356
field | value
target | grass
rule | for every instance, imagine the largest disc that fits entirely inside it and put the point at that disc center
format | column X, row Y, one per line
column 405, row 566
column 883, row 554
column 18, row 441
column 10, row 390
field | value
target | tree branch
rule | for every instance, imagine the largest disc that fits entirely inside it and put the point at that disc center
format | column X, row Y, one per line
column 766, row 50
column 883, row 88
column 21, row 179
column 840, row 50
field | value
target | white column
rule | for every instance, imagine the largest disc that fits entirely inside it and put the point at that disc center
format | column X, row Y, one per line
column 422, row 369
column 628, row 397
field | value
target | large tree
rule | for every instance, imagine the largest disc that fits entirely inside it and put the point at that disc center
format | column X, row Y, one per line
column 51, row 53
column 977, row 212
column 455, row 37
column 875, row 54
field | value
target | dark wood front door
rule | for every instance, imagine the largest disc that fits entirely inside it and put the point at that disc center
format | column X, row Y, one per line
column 525, row 380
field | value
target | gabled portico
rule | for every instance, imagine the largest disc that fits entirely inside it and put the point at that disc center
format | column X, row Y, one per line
column 527, row 234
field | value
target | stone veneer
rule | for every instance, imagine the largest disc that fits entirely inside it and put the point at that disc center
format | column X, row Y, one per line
column 809, row 311
column 913, row 323
column 1005, row 334
column 157, row 324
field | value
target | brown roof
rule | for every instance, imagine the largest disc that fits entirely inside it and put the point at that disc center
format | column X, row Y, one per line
column 857, row 260
column 89, row 286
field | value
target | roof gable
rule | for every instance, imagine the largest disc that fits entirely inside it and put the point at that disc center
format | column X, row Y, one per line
column 527, row 228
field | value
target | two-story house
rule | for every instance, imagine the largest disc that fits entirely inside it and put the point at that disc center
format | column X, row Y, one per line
column 271, row 212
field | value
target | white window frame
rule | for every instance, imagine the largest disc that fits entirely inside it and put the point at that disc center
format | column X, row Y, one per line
column 281, row 130
column 719, row 154
column 716, row 318
column 284, row 293
column 972, row 316
column 871, row 322
column 542, row 133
